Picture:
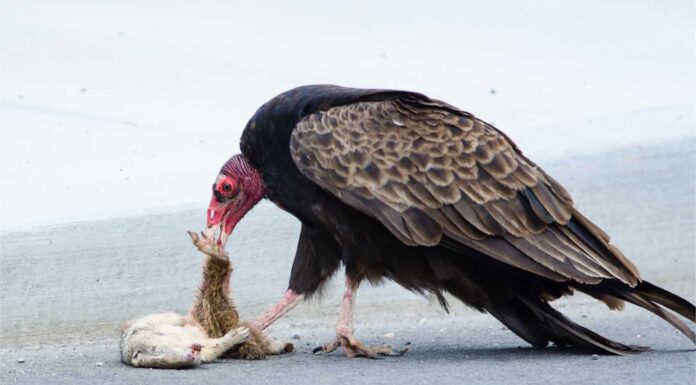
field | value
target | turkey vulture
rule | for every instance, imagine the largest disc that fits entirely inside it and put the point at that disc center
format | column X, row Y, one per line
column 393, row 184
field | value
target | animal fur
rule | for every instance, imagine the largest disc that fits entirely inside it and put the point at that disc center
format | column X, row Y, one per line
column 210, row 330
column 215, row 312
column 169, row 341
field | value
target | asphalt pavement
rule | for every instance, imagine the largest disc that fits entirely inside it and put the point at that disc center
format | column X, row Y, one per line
column 65, row 289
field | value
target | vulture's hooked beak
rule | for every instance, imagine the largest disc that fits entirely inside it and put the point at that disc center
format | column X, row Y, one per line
column 233, row 197
column 218, row 216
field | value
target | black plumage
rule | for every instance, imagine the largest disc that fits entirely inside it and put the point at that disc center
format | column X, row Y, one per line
column 396, row 185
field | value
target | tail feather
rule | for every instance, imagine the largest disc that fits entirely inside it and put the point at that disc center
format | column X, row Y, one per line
column 571, row 333
column 522, row 321
column 667, row 299
column 644, row 296
column 535, row 321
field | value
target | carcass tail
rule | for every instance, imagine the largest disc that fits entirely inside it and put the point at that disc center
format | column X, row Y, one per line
column 650, row 297
column 538, row 323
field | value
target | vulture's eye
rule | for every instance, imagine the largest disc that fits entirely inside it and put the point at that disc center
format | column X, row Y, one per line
column 227, row 187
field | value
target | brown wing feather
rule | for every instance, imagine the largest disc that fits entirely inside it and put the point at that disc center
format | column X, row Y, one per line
column 428, row 172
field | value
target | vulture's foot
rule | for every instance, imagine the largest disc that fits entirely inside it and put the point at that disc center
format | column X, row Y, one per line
column 352, row 347
column 208, row 246
column 344, row 331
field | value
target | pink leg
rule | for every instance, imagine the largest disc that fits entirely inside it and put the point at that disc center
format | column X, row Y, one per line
column 290, row 300
column 344, row 326
column 344, row 331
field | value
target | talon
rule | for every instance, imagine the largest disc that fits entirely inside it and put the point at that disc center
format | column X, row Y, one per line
column 327, row 348
column 354, row 348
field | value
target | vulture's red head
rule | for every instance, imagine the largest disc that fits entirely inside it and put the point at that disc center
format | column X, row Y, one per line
column 235, row 191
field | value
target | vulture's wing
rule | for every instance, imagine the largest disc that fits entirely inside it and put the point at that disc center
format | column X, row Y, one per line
column 433, row 174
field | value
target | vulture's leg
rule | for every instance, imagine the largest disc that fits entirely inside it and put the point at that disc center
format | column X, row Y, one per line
column 344, row 331
column 290, row 300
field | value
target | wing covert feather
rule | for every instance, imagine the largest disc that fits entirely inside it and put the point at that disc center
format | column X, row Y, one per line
column 428, row 172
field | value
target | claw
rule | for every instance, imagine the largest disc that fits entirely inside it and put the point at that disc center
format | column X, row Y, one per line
column 354, row 348
column 206, row 245
column 327, row 348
